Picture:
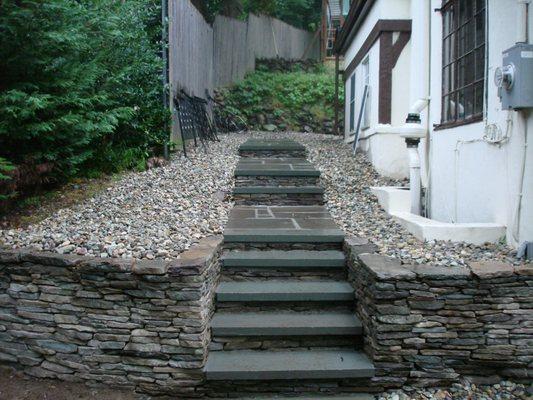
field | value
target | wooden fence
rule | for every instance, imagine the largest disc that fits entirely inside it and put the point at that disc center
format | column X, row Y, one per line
column 203, row 57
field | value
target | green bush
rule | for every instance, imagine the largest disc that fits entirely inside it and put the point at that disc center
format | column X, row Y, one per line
column 80, row 80
column 291, row 99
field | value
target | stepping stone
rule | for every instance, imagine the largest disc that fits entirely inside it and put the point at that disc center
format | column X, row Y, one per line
column 282, row 224
column 276, row 167
column 288, row 323
column 298, row 259
column 287, row 365
column 271, row 145
column 285, row 291
column 278, row 190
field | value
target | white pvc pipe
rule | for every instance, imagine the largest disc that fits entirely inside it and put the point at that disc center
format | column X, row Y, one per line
column 418, row 106
column 419, row 66
column 414, row 179
column 521, row 25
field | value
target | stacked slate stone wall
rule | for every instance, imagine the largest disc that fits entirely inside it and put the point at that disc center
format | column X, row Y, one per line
column 427, row 325
column 137, row 324
column 277, row 181
column 278, row 199
column 273, row 153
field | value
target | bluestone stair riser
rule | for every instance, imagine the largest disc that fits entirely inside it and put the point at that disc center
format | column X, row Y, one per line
column 278, row 199
column 274, row 343
column 278, row 181
column 284, row 259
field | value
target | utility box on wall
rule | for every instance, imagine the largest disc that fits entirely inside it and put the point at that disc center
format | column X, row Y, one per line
column 515, row 77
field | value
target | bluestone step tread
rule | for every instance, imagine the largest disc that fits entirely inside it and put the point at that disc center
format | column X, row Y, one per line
column 284, row 291
column 286, row 323
column 269, row 145
column 284, row 259
column 279, row 190
column 288, row 365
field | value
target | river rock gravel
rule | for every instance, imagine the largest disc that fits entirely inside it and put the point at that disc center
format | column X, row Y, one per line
column 161, row 212
column 153, row 214
column 464, row 390
column 347, row 180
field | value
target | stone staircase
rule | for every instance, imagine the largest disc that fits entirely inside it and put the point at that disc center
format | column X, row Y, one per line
column 284, row 322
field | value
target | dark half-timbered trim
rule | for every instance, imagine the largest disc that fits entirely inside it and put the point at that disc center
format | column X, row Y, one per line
column 389, row 53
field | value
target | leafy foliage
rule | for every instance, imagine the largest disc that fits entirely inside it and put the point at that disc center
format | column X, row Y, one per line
column 303, row 14
column 80, row 81
column 292, row 98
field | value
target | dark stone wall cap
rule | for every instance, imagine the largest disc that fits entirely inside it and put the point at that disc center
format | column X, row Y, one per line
column 350, row 240
column 49, row 258
column 355, row 245
column 491, row 269
column 9, row 256
column 105, row 265
column 386, row 268
column 524, row 270
column 436, row 272
column 148, row 267
column 197, row 256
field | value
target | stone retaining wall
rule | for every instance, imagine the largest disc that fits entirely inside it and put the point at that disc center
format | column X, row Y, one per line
column 273, row 153
column 276, row 181
column 279, row 199
column 139, row 324
column 427, row 325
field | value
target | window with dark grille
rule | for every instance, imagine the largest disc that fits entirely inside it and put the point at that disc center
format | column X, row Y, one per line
column 463, row 60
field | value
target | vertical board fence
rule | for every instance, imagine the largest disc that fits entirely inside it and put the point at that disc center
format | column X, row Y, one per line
column 203, row 57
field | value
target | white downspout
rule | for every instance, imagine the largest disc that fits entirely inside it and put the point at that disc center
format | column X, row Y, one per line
column 521, row 37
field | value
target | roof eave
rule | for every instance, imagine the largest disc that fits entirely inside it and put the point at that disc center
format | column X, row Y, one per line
column 358, row 13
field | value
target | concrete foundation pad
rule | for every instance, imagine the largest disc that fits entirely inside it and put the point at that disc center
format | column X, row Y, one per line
column 397, row 203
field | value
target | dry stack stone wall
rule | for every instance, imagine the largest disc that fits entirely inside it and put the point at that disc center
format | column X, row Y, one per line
column 139, row 324
column 426, row 325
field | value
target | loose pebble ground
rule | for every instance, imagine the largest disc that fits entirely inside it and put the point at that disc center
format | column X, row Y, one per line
column 161, row 212
column 153, row 214
column 465, row 390
column 347, row 180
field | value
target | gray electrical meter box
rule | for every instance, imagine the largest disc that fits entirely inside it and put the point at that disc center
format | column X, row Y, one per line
column 515, row 77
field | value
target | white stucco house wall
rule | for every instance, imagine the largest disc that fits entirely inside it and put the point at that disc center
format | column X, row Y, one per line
column 476, row 167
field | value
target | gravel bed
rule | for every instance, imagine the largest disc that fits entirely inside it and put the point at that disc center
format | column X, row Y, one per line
column 153, row 214
column 347, row 179
column 161, row 212
column 463, row 391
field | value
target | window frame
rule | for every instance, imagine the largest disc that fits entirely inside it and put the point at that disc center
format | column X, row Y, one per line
column 365, row 71
column 451, row 65
column 351, row 103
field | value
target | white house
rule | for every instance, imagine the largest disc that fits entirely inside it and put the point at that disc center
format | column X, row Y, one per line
column 436, row 60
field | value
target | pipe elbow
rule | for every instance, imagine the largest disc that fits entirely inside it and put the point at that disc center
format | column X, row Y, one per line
column 418, row 106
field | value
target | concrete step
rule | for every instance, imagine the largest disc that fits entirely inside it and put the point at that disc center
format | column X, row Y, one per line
column 288, row 323
column 288, row 365
column 279, row 190
column 285, row 291
column 290, row 259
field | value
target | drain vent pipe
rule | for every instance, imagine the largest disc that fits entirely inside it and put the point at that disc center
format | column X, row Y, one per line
column 412, row 142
